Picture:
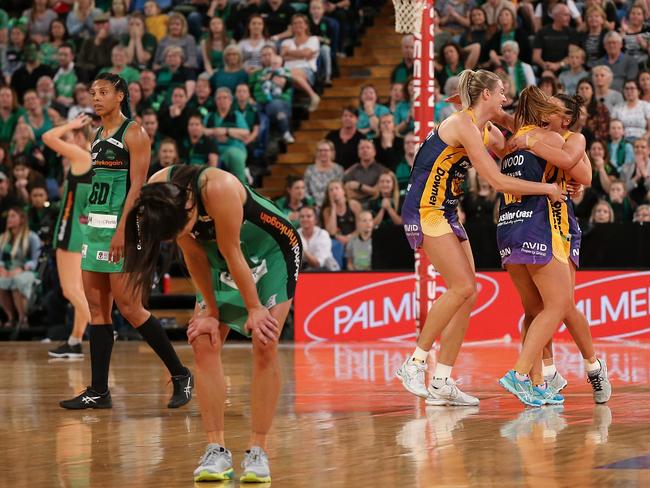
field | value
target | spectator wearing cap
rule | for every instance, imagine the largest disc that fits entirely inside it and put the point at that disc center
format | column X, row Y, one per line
column 120, row 67
column 230, row 129
column 25, row 77
column 346, row 139
column 95, row 52
column 404, row 69
column 10, row 113
column 551, row 45
column 361, row 179
column 624, row 67
column 81, row 21
column 39, row 18
column 177, row 36
column 67, row 76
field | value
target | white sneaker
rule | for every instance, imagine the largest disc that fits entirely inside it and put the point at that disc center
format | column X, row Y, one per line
column 288, row 138
column 215, row 465
column 555, row 382
column 255, row 466
column 412, row 375
column 449, row 394
column 599, row 381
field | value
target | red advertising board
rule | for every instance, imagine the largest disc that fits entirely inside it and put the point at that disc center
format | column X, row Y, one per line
column 359, row 307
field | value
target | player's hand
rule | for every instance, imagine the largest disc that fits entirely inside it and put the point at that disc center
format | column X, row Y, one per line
column 555, row 194
column 116, row 250
column 574, row 188
column 79, row 121
column 203, row 324
column 262, row 325
column 518, row 143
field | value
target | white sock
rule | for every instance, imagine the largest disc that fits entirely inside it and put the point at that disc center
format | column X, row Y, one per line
column 548, row 370
column 442, row 371
column 521, row 377
column 420, row 355
column 591, row 367
column 73, row 341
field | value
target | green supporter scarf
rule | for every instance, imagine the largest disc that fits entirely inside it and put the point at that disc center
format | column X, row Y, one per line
column 519, row 77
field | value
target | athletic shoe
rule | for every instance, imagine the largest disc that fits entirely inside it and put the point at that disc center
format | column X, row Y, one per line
column 412, row 375
column 65, row 350
column 183, row 385
column 256, row 467
column 600, row 383
column 88, row 399
column 313, row 103
column 449, row 394
column 288, row 138
column 547, row 396
column 556, row 382
column 523, row 390
column 215, row 465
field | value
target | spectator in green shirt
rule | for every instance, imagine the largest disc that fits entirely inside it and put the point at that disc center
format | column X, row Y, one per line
column 58, row 36
column 120, row 67
column 246, row 106
column 10, row 112
column 140, row 44
column 198, row 148
column 404, row 69
column 403, row 169
column 230, row 129
column 67, row 76
column 202, row 101
column 233, row 72
column 294, row 199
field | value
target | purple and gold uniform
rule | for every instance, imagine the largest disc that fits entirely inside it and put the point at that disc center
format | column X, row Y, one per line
column 531, row 229
column 435, row 186
column 574, row 226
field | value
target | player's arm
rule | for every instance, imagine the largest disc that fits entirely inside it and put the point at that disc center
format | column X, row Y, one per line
column 496, row 141
column 79, row 158
column 139, row 146
column 469, row 136
column 200, row 271
column 228, row 215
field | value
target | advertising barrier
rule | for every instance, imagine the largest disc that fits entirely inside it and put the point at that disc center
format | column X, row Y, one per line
column 360, row 307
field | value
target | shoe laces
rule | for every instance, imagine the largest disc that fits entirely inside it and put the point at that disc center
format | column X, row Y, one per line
column 596, row 382
column 253, row 456
column 211, row 453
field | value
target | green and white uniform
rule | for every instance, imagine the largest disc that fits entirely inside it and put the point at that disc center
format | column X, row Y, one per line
column 271, row 246
column 73, row 215
column 109, row 187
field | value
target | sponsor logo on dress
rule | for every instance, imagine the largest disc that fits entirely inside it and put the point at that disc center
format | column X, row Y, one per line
column 271, row 302
column 102, row 255
column 257, row 272
column 536, row 248
column 102, row 221
column 505, row 252
column 515, row 216
column 115, row 142
column 84, row 250
column 290, row 233
column 110, row 155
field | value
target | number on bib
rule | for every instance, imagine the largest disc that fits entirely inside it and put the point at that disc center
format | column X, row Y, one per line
column 99, row 194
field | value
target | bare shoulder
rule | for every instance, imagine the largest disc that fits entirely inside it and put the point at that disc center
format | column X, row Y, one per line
column 160, row 176
column 549, row 137
column 577, row 138
column 221, row 184
column 136, row 137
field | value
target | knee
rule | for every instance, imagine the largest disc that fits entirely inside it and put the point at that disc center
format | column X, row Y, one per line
column 465, row 290
column 131, row 311
column 205, row 352
column 264, row 355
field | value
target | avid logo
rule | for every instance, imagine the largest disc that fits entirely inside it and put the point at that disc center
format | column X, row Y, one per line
column 535, row 246
column 411, row 228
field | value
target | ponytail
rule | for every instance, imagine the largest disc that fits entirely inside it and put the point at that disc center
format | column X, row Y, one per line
column 534, row 108
column 472, row 83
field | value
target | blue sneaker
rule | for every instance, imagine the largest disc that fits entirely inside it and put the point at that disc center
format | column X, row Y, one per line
column 547, row 396
column 523, row 390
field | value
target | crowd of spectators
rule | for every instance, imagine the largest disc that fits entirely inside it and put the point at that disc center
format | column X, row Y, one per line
column 212, row 81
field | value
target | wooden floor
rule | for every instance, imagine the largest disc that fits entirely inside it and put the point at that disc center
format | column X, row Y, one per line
column 343, row 421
